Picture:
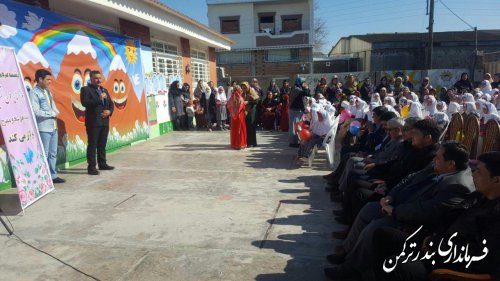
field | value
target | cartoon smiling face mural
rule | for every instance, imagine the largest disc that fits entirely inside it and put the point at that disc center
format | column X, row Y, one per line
column 128, row 109
column 73, row 75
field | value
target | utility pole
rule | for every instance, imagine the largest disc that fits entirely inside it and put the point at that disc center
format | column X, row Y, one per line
column 431, row 35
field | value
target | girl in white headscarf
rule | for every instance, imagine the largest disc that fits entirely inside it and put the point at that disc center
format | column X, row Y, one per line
column 361, row 109
column 369, row 115
column 352, row 104
column 489, row 112
column 414, row 97
column 220, row 108
column 486, row 97
column 390, row 101
column 468, row 97
column 441, row 106
column 470, row 107
column 415, row 110
column 376, row 99
column 430, row 104
column 485, row 87
column 453, row 107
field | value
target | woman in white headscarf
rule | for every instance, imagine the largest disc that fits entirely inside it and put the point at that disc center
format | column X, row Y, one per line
column 430, row 104
column 415, row 110
column 489, row 112
column 453, row 107
column 376, row 99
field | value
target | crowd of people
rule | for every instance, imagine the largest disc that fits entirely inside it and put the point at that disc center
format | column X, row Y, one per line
column 403, row 190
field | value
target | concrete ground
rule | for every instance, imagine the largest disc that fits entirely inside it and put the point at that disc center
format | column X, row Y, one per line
column 183, row 206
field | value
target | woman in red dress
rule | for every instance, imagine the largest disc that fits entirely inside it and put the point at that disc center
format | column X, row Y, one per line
column 236, row 107
column 284, row 113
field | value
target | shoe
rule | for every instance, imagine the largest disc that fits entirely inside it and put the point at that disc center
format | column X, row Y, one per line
column 339, row 272
column 328, row 176
column 93, row 172
column 106, row 167
column 336, row 258
column 341, row 235
column 343, row 220
column 58, row 180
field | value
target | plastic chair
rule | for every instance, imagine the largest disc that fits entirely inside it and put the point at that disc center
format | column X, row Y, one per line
column 328, row 144
column 491, row 141
column 455, row 127
column 471, row 137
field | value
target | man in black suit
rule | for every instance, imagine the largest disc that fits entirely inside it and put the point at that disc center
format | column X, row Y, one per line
column 98, row 108
column 427, row 198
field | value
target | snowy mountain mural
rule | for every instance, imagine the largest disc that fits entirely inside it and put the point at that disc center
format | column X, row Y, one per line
column 70, row 49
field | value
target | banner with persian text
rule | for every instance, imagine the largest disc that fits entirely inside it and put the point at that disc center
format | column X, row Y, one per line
column 25, row 151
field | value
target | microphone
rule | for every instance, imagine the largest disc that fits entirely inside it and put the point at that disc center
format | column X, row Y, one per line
column 104, row 100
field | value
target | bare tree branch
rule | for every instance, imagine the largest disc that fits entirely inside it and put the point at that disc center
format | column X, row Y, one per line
column 320, row 32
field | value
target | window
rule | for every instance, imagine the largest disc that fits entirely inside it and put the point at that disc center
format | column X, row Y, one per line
column 230, row 25
column 291, row 23
column 280, row 55
column 166, row 59
column 200, row 71
column 199, row 66
column 234, row 57
column 266, row 22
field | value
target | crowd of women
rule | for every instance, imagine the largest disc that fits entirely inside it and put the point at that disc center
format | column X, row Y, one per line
column 280, row 108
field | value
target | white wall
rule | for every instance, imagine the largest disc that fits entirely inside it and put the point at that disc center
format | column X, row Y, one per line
column 246, row 38
column 248, row 13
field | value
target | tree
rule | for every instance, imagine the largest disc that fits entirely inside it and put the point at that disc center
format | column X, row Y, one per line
column 320, row 31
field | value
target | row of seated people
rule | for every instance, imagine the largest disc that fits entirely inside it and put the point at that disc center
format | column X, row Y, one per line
column 402, row 192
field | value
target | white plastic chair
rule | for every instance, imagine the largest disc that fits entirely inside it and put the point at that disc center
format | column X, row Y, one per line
column 328, row 144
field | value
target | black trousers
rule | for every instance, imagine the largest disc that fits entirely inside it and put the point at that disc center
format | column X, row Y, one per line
column 97, row 139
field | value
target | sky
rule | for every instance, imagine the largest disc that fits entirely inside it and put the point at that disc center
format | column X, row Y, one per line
column 356, row 17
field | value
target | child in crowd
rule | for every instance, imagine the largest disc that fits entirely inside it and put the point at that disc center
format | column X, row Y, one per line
column 190, row 111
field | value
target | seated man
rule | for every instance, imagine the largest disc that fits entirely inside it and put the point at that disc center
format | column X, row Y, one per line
column 380, row 153
column 478, row 222
column 394, row 128
column 425, row 198
column 425, row 137
column 373, row 139
column 320, row 126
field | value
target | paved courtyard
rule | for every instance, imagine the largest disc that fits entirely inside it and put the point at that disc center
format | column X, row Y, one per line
column 183, row 206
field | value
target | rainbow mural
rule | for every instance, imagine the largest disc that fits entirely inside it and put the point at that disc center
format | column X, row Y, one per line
column 56, row 34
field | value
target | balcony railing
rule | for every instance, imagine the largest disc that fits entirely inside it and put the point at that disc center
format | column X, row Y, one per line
column 299, row 37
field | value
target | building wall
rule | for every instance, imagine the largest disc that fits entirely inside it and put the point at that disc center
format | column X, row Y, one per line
column 280, row 9
column 246, row 38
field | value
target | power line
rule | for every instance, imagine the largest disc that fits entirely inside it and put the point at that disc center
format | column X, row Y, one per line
column 441, row 1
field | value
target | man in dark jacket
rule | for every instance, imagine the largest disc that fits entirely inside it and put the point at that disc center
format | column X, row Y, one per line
column 426, row 198
column 475, row 229
column 98, row 108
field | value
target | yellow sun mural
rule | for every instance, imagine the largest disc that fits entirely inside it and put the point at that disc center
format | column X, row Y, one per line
column 131, row 51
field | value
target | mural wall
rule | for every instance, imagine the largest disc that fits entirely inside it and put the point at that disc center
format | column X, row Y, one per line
column 70, row 50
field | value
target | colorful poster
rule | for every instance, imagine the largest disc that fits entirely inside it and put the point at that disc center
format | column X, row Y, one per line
column 440, row 78
column 414, row 75
column 20, row 132
column 70, row 50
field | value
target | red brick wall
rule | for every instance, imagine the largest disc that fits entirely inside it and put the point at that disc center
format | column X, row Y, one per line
column 212, row 66
column 186, row 59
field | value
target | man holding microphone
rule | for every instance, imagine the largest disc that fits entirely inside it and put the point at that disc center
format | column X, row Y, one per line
column 98, row 108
